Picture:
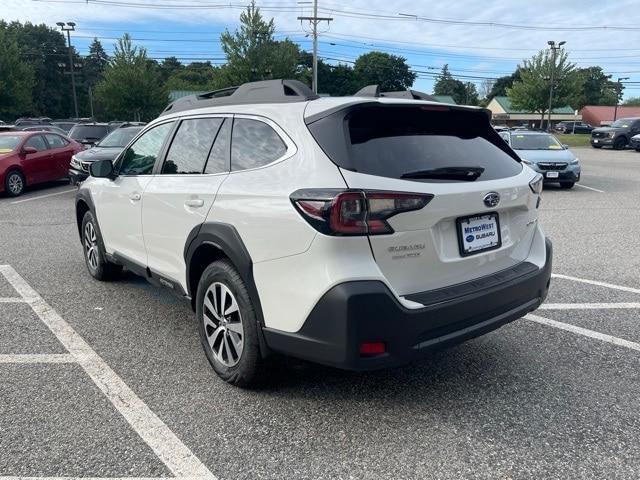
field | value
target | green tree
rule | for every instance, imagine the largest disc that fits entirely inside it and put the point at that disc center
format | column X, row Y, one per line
column 632, row 102
column 594, row 88
column 389, row 72
column 16, row 80
column 447, row 85
column 500, row 86
column 169, row 67
column 132, row 88
column 471, row 96
column 45, row 50
column 253, row 54
column 195, row 76
column 531, row 92
column 95, row 63
column 334, row 80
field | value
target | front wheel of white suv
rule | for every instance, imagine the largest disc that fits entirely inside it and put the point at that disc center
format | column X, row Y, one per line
column 94, row 254
column 228, row 325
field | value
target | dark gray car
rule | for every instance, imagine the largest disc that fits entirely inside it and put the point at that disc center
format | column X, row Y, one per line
column 107, row 149
column 617, row 135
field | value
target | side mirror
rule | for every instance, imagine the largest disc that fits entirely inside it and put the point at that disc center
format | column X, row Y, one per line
column 102, row 169
column 565, row 146
column 29, row 150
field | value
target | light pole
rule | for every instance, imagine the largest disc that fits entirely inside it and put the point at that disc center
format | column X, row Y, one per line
column 554, row 49
column 70, row 27
column 618, row 93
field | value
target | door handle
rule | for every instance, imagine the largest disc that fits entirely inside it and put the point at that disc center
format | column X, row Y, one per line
column 194, row 203
column 134, row 197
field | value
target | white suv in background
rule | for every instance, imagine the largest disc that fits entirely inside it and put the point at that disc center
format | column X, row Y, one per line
column 358, row 232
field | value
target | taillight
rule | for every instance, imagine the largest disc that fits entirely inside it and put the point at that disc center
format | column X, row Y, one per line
column 355, row 212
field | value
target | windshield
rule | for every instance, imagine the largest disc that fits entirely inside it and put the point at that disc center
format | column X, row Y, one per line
column 622, row 123
column 8, row 143
column 88, row 132
column 119, row 138
column 535, row 142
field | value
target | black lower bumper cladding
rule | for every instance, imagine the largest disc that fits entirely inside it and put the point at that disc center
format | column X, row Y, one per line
column 352, row 313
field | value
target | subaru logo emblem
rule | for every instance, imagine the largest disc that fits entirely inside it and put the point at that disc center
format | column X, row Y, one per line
column 492, row 199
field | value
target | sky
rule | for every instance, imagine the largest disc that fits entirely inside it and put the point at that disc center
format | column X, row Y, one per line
column 478, row 39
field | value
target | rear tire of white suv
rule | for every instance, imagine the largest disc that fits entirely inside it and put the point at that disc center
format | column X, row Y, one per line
column 94, row 253
column 228, row 325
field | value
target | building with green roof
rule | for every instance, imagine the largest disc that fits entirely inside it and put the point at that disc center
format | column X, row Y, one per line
column 503, row 113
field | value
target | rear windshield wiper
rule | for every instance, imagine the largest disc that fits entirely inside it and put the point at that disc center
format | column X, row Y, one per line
column 468, row 174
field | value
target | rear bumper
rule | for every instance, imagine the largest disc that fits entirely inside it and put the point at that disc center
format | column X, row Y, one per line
column 366, row 311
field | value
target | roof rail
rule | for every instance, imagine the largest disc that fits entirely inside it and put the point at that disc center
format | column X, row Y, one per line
column 374, row 91
column 265, row 91
column 368, row 91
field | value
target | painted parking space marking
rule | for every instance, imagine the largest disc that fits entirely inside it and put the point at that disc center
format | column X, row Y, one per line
column 154, row 432
column 589, row 306
column 38, row 358
column 12, row 300
column 42, row 196
column 583, row 331
column 589, row 188
column 597, row 283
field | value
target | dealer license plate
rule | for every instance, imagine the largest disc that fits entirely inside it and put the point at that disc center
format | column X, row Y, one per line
column 552, row 174
column 478, row 233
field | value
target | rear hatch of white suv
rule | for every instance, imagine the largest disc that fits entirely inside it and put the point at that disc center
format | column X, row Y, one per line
column 447, row 201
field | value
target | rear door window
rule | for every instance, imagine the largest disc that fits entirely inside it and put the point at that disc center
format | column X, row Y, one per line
column 254, row 144
column 56, row 141
column 397, row 141
column 36, row 142
column 191, row 145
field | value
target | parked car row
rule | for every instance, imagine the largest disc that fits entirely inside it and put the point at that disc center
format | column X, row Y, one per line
column 30, row 157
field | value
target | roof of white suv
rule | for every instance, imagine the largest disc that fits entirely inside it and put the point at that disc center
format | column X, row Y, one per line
column 254, row 97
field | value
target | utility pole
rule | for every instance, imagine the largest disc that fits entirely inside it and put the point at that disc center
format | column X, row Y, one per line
column 554, row 49
column 314, row 21
column 618, row 94
column 70, row 27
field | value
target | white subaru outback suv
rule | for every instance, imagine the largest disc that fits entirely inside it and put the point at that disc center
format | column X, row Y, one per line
column 358, row 232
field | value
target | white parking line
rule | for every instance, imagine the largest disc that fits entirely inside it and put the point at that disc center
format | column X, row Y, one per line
column 589, row 188
column 42, row 196
column 100, row 478
column 12, row 300
column 588, row 306
column 584, row 332
column 164, row 443
column 598, row 283
column 38, row 358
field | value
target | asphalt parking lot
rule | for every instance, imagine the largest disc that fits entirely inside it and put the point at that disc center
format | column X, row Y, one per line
column 108, row 379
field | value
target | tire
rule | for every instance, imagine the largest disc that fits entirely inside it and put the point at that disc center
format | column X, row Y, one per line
column 637, row 149
column 230, row 341
column 94, row 253
column 567, row 185
column 14, row 183
column 596, row 146
column 619, row 143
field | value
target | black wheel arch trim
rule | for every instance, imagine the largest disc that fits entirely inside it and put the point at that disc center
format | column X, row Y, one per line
column 226, row 238
column 84, row 195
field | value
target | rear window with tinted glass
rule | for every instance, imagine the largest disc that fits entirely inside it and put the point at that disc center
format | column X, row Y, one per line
column 393, row 141
column 88, row 132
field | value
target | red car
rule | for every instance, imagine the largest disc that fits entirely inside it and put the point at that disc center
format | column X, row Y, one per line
column 27, row 158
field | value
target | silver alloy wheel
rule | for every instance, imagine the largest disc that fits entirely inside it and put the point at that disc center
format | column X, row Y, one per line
column 223, row 324
column 91, row 245
column 15, row 183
